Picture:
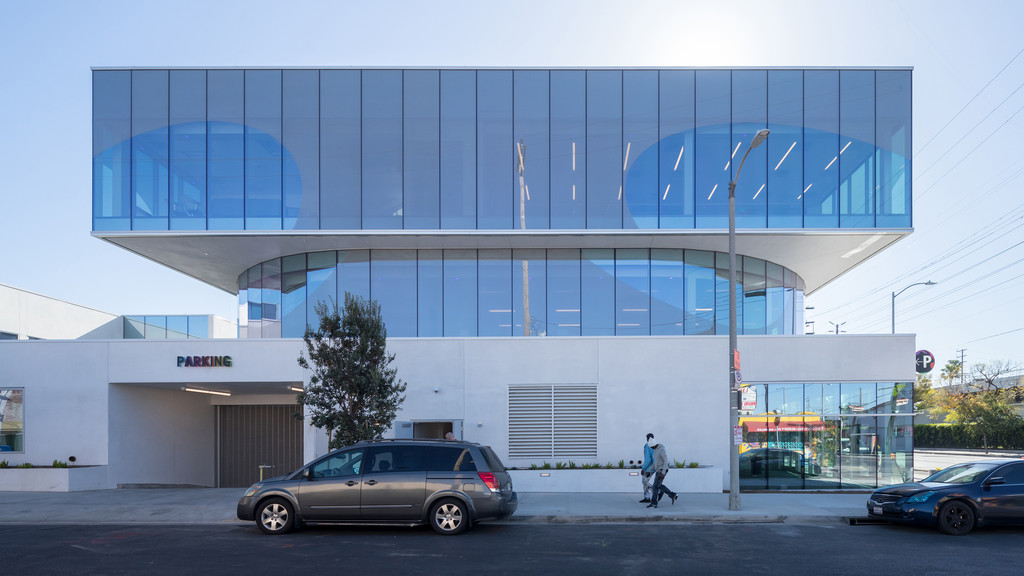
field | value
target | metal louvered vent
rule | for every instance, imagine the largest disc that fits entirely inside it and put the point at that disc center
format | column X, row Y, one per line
column 549, row 421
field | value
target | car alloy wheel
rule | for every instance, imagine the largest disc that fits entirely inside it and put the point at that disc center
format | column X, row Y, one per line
column 275, row 517
column 449, row 517
column 956, row 518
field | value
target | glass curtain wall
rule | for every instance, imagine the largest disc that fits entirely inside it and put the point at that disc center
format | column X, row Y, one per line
column 826, row 435
column 522, row 292
column 444, row 149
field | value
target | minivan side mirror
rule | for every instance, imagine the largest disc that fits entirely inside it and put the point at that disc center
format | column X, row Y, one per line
column 308, row 473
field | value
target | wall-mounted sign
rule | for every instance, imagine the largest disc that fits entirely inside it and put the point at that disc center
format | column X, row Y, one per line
column 925, row 361
column 204, row 361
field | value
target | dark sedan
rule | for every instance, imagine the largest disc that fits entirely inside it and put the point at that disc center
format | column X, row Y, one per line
column 958, row 498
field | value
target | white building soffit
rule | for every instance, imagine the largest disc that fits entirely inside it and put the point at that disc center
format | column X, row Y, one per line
column 217, row 258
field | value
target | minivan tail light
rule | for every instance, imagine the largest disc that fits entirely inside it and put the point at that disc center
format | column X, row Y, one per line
column 489, row 479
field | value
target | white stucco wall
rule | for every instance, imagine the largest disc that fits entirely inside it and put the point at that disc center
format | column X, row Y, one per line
column 120, row 402
column 28, row 314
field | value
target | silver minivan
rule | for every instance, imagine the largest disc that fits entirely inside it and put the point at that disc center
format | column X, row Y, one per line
column 447, row 484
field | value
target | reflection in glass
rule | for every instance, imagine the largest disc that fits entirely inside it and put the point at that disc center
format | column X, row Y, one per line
column 597, row 292
column 271, row 298
column 604, row 149
column 382, row 149
column 563, row 292
column 111, row 150
column 430, row 287
column 293, row 296
column 749, row 115
column 529, row 292
column 495, row 293
column 225, row 168
column 893, row 137
column 857, row 148
column 700, row 292
column 149, row 150
column 785, row 148
column 568, row 149
column 340, row 150
column 633, row 292
column 531, row 135
column 714, row 135
column 667, row 301
column 353, row 274
column 300, row 140
column 676, row 133
column 390, row 274
column 640, row 149
column 187, row 165
column 321, row 284
column 263, row 149
column 460, row 293
column 821, row 153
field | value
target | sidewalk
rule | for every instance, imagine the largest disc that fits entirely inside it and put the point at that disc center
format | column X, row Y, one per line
column 217, row 506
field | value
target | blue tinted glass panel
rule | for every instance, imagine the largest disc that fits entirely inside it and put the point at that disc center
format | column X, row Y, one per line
column 754, row 296
column 391, row 285
column 271, row 300
column 563, row 292
column 532, row 156
column 494, row 149
column 321, row 284
column 632, row 292
column 243, row 305
column 187, row 113
column 700, row 292
column 604, row 149
column 713, row 149
column 568, row 149
column 597, row 293
column 293, row 296
column 429, row 295
column 821, row 155
column 353, row 273
column 893, row 137
column 667, row 302
column 722, row 293
column 750, row 114
column 422, row 150
column 149, row 150
column 156, row 327
column 199, row 327
column 340, row 150
column 382, row 149
column 225, row 149
column 529, row 293
column 495, row 290
column 111, row 150
column 775, row 301
column 177, row 327
column 255, row 304
column 857, row 148
column 458, row 149
column 676, row 149
column 300, row 161
column 640, row 149
column 460, row 292
column 263, row 149
column 785, row 148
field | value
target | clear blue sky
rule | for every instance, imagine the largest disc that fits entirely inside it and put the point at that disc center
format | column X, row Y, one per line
column 968, row 175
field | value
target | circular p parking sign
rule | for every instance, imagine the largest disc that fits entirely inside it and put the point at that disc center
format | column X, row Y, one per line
column 925, row 361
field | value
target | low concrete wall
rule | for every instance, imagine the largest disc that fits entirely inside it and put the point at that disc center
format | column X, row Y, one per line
column 707, row 480
column 53, row 479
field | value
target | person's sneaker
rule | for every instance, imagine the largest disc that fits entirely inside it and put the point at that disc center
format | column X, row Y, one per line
column 652, row 505
column 646, row 500
column 673, row 497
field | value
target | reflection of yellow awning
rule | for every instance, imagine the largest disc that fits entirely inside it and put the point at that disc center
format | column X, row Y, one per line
column 11, row 426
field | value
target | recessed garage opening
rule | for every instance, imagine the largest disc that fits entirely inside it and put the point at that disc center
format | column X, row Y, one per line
column 257, row 438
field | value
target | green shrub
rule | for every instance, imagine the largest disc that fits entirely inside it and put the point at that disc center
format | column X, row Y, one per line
column 694, row 465
column 25, row 465
column 4, row 463
column 546, row 466
column 60, row 464
column 966, row 436
column 622, row 463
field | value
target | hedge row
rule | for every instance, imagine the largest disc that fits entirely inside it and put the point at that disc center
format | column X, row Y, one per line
column 966, row 436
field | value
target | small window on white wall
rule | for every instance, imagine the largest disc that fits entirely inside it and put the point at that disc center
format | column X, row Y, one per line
column 12, row 420
column 552, row 421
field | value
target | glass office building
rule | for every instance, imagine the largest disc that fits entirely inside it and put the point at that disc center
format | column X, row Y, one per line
column 523, row 203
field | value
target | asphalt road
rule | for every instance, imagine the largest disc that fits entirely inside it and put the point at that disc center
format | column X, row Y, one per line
column 510, row 549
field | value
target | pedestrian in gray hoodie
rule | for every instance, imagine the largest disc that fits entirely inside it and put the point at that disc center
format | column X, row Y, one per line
column 660, row 470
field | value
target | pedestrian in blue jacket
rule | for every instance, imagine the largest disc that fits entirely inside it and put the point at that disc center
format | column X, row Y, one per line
column 647, row 468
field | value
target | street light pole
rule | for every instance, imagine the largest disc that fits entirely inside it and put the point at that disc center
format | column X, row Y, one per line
column 895, row 294
column 734, row 393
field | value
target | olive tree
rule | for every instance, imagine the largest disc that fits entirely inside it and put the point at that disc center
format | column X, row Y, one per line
column 353, row 392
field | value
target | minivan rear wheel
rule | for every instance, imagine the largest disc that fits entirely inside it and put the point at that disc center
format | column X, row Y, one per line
column 274, row 516
column 449, row 517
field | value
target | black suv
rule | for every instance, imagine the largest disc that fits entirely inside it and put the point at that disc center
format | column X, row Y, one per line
column 447, row 484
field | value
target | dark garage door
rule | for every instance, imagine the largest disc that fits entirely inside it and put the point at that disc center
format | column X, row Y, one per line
column 254, row 436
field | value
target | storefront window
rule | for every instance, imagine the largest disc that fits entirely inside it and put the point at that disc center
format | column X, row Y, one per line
column 12, row 420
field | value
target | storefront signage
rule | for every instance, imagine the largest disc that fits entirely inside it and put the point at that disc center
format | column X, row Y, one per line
column 925, row 361
column 204, row 361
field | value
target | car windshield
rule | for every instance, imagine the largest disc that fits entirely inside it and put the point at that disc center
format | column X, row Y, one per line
column 961, row 473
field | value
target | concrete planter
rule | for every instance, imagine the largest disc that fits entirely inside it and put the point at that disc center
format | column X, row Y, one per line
column 53, row 479
column 706, row 480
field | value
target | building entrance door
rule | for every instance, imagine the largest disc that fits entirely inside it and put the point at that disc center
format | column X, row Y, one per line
column 251, row 437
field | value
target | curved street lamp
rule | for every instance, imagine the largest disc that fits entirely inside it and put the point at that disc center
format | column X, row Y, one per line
column 895, row 294
column 734, row 393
